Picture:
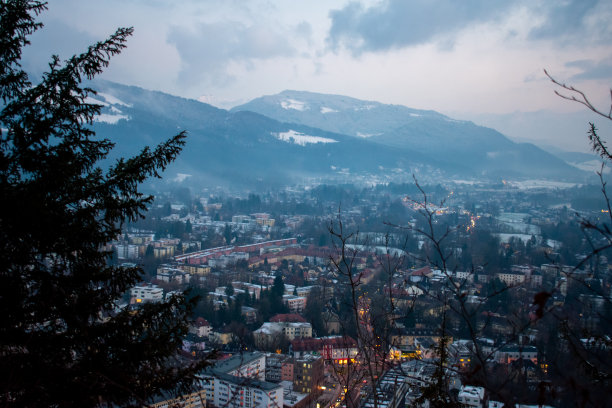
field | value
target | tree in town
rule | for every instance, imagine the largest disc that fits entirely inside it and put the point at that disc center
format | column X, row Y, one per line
column 584, row 326
column 64, row 339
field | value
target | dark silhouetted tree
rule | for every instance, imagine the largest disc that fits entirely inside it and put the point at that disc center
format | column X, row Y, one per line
column 63, row 339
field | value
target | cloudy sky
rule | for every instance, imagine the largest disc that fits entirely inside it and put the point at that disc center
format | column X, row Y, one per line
column 479, row 60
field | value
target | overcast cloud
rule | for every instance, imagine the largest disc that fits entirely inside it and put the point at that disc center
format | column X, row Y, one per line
column 207, row 51
column 399, row 23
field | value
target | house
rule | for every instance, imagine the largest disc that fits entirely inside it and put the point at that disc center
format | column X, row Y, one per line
column 470, row 396
column 201, row 328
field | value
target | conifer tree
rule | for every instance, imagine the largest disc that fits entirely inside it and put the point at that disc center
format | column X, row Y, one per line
column 63, row 339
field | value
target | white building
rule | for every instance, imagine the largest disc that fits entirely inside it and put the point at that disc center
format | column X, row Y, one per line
column 463, row 276
column 146, row 294
column 239, row 392
column 238, row 382
column 127, row 251
column 470, row 396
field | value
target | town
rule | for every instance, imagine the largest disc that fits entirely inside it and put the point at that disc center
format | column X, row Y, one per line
column 344, row 296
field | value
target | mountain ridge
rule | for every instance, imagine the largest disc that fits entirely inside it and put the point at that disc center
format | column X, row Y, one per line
column 248, row 148
column 428, row 132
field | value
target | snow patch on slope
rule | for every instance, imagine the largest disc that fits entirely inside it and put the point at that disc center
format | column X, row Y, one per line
column 591, row 165
column 365, row 107
column 325, row 109
column 110, row 119
column 300, row 138
column 115, row 114
column 366, row 135
column 93, row 101
column 114, row 100
column 294, row 104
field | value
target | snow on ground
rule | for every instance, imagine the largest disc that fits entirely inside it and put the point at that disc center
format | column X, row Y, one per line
column 505, row 238
column 294, row 104
column 111, row 119
column 530, row 184
column 379, row 249
column 113, row 100
column 592, row 165
column 468, row 182
column 300, row 138
column 416, row 115
column 325, row 109
column 365, row 107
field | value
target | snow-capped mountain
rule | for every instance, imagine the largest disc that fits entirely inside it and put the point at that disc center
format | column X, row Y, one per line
column 243, row 148
column 246, row 148
column 454, row 142
column 335, row 113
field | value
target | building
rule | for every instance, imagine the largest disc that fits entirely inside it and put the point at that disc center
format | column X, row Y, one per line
column 296, row 304
column 129, row 251
column 470, row 396
column 274, row 366
column 308, row 374
column 146, row 294
column 271, row 332
column 194, row 400
column 390, row 391
column 251, row 365
column 339, row 349
column 511, row 278
column 228, row 391
column 463, row 276
column 168, row 273
column 510, row 353
column 249, row 314
column 200, row 270
column 288, row 317
column 201, row 328
column 239, row 382
column 251, row 288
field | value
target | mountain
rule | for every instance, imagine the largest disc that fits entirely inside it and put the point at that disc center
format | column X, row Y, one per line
column 481, row 150
column 242, row 148
column 245, row 148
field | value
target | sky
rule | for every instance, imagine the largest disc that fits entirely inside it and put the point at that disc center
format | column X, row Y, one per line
column 480, row 60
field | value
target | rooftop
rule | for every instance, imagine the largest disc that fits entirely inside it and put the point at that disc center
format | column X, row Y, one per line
column 236, row 361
